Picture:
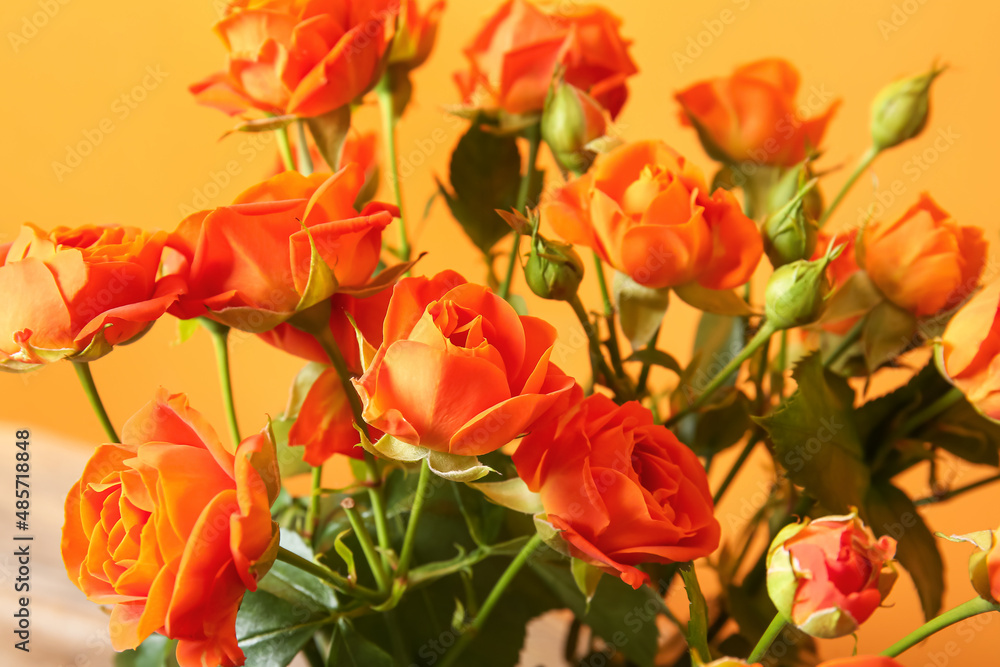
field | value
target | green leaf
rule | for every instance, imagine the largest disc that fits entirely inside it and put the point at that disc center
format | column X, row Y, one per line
column 640, row 308
column 722, row 423
column 888, row 511
column 483, row 518
column 816, row 440
column 485, row 176
column 292, row 585
column 965, row 432
column 655, row 357
column 587, row 577
column 619, row 614
column 888, row 332
column 346, row 554
column 272, row 630
column 155, row 651
column 718, row 302
column 329, row 132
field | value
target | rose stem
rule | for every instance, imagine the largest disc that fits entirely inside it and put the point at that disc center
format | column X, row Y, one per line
column 312, row 512
column 337, row 580
column 329, row 345
column 744, row 455
column 762, row 337
column 409, row 540
column 697, row 634
column 285, row 148
column 865, row 162
column 534, row 135
column 383, row 91
column 959, row 613
column 646, row 365
column 598, row 362
column 365, row 539
column 614, row 349
column 491, row 601
column 305, row 158
column 90, row 389
column 846, row 342
column 220, row 340
column 772, row 632
column 948, row 495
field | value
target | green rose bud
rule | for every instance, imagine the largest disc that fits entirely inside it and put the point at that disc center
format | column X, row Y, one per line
column 790, row 233
column 796, row 292
column 900, row 111
column 554, row 270
column 571, row 120
column 788, row 186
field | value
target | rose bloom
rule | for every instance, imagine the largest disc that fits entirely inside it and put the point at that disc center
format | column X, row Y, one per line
column 458, row 371
column 827, row 576
column 970, row 351
column 515, row 56
column 325, row 422
column 925, row 262
column 248, row 265
column 298, row 57
column 172, row 527
column 647, row 211
column 75, row 293
column 752, row 116
column 622, row 490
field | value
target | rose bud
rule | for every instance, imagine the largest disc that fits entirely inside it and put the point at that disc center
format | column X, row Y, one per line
column 172, row 527
column 76, row 293
column 622, row 490
column 415, row 34
column 969, row 351
column 796, row 293
column 788, row 186
column 984, row 564
column 900, row 110
column 459, row 371
column 571, row 120
column 925, row 262
column 752, row 115
column 790, row 234
column 554, row 270
column 829, row 575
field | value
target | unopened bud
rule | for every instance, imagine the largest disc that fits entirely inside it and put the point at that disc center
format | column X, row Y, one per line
column 571, row 120
column 788, row 186
column 796, row 293
column 790, row 233
column 900, row 111
column 554, row 270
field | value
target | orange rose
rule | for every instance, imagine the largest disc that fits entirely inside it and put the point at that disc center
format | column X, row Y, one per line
column 172, row 527
column 514, row 57
column 647, row 212
column 361, row 148
column 325, row 423
column 862, row 661
column 458, row 370
column 75, row 293
column 623, row 490
column 925, row 262
column 415, row 39
column 752, row 116
column 970, row 351
column 298, row 57
column 248, row 265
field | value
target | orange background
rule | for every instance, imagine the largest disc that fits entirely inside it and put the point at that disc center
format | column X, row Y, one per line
column 72, row 68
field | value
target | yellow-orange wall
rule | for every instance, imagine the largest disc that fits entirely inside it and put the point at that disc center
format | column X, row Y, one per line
column 69, row 75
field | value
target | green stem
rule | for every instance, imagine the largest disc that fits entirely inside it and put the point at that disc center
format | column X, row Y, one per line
column 90, row 389
column 329, row 345
column 948, row 495
column 285, row 148
column 599, row 363
column 846, row 342
column 328, row 576
column 305, row 158
column 367, row 546
column 697, row 634
column 762, row 337
column 388, row 107
column 312, row 514
column 865, row 162
column 491, row 601
column 772, row 632
column 614, row 348
column 931, row 411
column 409, row 540
column 220, row 341
column 534, row 135
column 646, row 365
column 959, row 613
column 744, row 455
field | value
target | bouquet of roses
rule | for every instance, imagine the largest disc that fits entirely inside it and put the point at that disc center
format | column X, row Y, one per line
column 489, row 485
